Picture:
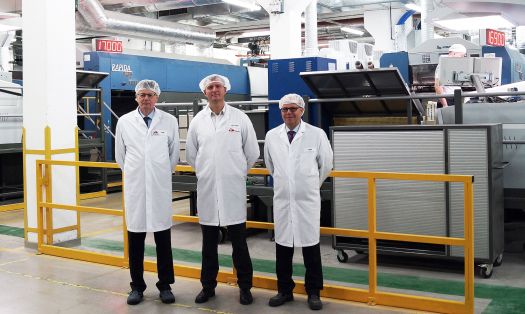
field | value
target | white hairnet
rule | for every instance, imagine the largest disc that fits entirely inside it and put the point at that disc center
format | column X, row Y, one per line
column 215, row 78
column 291, row 99
column 457, row 48
column 148, row 85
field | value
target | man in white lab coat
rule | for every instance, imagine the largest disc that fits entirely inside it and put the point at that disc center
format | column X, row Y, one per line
column 147, row 151
column 299, row 157
column 221, row 147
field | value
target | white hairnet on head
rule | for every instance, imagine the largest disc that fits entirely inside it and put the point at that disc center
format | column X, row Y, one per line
column 457, row 48
column 291, row 99
column 214, row 78
column 148, row 85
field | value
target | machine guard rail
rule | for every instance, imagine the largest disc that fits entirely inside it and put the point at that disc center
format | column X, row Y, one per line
column 370, row 296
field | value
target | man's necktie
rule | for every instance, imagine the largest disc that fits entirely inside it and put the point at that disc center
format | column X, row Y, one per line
column 291, row 134
column 146, row 120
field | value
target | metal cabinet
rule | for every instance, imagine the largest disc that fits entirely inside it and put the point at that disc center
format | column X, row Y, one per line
column 426, row 208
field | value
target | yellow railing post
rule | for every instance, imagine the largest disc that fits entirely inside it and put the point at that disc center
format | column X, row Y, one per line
column 49, row 186
column 77, row 175
column 469, row 245
column 125, row 228
column 372, row 242
column 39, row 208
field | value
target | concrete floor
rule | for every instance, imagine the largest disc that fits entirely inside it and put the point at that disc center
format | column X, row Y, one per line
column 45, row 284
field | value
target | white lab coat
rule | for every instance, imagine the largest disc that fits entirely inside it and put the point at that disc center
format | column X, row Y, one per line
column 147, row 157
column 221, row 157
column 298, row 169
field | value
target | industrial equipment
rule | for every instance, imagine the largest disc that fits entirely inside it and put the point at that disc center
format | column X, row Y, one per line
column 11, row 165
column 512, row 116
column 178, row 80
column 283, row 78
column 418, row 65
column 426, row 208
column 11, row 181
column 513, row 63
column 362, row 86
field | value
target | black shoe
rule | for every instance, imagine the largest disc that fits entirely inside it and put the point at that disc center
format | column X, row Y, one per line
column 135, row 297
column 280, row 299
column 245, row 297
column 204, row 296
column 167, row 297
column 314, row 302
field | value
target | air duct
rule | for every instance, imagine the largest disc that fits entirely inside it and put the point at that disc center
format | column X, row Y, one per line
column 310, row 30
column 159, row 5
column 119, row 24
column 427, row 29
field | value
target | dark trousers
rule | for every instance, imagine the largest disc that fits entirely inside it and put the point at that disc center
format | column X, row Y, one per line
column 313, row 278
column 240, row 256
column 164, row 259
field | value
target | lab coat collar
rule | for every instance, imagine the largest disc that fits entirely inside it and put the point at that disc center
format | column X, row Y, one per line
column 140, row 118
column 225, row 110
column 284, row 135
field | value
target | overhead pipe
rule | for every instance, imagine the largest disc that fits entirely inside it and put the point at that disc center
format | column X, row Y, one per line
column 159, row 5
column 119, row 24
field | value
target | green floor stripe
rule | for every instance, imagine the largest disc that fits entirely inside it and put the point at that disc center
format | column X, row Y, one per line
column 12, row 231
column 504, row 299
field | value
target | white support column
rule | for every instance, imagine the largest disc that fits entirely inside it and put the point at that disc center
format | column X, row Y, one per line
column 381, row 25
column 427, row 29
column 50, row 100
column 311, row 46
column 285, row 28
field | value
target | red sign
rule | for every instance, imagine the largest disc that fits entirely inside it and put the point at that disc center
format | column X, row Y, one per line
column 108, row 45
column 495, row 38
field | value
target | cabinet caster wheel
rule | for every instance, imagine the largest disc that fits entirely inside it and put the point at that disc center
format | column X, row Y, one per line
column 486, row 270
column 342, row 257
column 499, row 260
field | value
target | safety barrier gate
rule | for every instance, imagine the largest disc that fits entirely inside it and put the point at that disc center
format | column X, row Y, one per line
column 370, row 296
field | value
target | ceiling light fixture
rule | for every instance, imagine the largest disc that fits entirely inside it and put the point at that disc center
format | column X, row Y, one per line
column 238, row 48
column 475, row 23
column 250, row 5
column 352, row 31
column 255, row 34
column 413, row 6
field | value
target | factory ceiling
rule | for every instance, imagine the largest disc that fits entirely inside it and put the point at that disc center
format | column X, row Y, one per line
column 229, row 21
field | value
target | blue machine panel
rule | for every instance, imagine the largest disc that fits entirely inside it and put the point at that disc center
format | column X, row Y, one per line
column 283, row 78
column 512, row 63
column 398, row 60
column 173, row 75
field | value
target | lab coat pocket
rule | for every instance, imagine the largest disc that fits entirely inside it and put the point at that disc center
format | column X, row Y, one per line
column 238, row 163
column 308, row 162
column 159, row 148
column 233, row 138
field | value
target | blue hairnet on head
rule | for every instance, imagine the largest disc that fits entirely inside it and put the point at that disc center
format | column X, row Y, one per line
column 291, row 99
column 148, row 85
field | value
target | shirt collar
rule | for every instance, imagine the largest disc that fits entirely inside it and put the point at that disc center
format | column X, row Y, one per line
column 151, row 114
column 296, row 129
column 222, row 112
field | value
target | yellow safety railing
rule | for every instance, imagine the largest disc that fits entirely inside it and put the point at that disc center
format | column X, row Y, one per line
column 371, row 296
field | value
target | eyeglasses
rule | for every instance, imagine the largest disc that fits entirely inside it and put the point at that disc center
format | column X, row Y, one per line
column 142, row 95
column 291, row 109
